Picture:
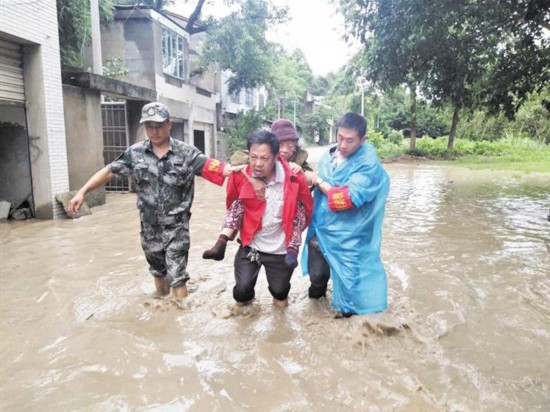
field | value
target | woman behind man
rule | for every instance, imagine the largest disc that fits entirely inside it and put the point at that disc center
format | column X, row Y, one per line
column 290, row 151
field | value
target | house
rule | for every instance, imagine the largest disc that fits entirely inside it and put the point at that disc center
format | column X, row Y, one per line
column 154, row 48
column 57, row 129
column 33, row 152
column 230, row 104
column 242, row 101
column 53, row 136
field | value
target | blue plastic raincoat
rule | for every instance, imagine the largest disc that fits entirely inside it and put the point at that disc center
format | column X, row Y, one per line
column 350, row 239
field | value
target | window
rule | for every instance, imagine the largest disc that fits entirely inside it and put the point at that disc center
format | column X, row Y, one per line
column 173, row 59
column 236, row 97
column 248, row 98
column 261, row 102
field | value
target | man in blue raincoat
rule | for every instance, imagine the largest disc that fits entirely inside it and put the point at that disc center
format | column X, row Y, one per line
column 345, row 233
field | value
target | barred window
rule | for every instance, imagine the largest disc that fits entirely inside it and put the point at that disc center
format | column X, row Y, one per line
column 173, row 54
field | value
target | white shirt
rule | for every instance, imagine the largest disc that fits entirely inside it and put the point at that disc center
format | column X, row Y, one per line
column 271, row 238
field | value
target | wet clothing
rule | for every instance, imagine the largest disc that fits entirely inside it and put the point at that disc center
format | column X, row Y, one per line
column 165, row 189
column 295, row 190
column 166, row 249
column 347, row 224
column 248, row 263
column 268, row 225
column 233, row 217
column 319, row 270
column 270, row 237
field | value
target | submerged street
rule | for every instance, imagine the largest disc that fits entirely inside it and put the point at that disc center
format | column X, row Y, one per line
column 467, row 255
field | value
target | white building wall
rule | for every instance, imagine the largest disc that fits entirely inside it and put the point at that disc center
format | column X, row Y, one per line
column 229, row 106
column 34, row 24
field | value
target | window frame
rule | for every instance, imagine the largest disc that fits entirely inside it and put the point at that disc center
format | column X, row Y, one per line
column 173, row 54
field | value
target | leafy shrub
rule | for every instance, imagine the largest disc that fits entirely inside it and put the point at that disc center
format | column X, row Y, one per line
column 245, row 123
column 376, row 139
column 395, row 137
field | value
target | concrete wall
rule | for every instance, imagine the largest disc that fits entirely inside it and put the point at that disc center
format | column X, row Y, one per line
column 131, row 40
column 34, row 24
column 84, row 138
column 136, row 131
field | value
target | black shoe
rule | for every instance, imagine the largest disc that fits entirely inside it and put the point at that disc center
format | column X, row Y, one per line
column 216, row 253
column 343, row 315
column 316, row 294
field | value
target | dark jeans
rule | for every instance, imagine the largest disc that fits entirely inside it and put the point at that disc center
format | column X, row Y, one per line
column 319, row 271
column 246, row 275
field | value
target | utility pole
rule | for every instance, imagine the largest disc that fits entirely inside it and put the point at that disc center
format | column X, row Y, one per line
column 97, row 64
column 361, row 82
column 294, row 102
column 362, row 101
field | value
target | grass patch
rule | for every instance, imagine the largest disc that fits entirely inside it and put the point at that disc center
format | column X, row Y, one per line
column 510, row 153
column 475, row 162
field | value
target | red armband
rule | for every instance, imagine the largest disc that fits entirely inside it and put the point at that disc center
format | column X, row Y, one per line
column 338, row 199
column 213, row 171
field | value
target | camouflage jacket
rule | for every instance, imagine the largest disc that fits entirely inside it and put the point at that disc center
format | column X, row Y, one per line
column 165, row 186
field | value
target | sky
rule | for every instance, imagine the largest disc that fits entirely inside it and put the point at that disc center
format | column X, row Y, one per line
column 315, row 28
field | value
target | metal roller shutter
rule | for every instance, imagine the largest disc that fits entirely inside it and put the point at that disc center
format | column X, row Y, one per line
column 11, row 73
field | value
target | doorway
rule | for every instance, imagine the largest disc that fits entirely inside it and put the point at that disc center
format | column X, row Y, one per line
column 198, row 140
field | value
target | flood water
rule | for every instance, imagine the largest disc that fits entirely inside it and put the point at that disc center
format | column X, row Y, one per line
column 467, row 329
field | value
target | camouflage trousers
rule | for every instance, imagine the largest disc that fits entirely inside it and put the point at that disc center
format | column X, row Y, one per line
column 166, row 249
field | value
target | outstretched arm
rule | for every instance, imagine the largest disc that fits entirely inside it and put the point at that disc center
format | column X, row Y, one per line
column 213, row 170
column 99, row 178
column 338, row 197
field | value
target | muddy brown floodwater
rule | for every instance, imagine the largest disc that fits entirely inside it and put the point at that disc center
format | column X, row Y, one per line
column 467, row 328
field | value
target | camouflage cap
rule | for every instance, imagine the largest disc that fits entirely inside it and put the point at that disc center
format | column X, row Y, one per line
column 154, row 112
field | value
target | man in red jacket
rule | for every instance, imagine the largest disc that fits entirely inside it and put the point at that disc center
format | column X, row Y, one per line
column 266, row 227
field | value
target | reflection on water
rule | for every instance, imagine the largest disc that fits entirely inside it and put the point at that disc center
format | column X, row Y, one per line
column 467, row 255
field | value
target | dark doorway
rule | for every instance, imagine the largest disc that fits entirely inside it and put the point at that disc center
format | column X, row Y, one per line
column 15, row 162
column 177, row 131
column 198, row 138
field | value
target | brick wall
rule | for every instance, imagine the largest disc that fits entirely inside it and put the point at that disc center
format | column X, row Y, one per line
column 34, row 24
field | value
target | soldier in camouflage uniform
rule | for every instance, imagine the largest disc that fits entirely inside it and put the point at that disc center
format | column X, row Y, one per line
column 164, row 171
column 296, row 157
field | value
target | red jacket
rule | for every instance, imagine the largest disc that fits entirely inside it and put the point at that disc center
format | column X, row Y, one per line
column 295, row 189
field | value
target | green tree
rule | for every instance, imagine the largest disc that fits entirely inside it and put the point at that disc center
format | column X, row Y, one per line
column 392, row 55
column 317, row 124
column 75, row 28
column 320, row 86
column 465, row 53
column 245, row 123
column 237, row 41
column 292, row 79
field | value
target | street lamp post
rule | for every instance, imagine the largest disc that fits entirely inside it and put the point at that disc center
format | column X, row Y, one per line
column 361, row 82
